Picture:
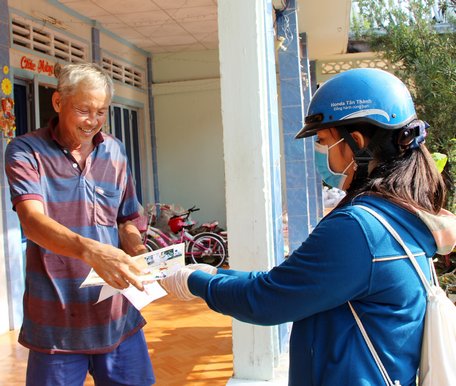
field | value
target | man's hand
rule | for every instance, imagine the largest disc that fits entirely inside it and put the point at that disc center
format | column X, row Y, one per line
column 113, row 265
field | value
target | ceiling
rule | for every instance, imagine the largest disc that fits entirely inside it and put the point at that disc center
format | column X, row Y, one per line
column 159, row 26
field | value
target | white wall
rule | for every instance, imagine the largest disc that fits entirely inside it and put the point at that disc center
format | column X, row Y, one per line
column 185, row 66
column 189, row 133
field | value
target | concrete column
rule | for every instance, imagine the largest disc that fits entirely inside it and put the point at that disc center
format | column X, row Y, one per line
column 291, row 91
column 251, row 144
column 96, row 48
column 313, row 183
column 153, row 139
column 11, row 258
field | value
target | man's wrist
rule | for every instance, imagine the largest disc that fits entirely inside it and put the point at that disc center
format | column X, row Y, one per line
column 139, row 250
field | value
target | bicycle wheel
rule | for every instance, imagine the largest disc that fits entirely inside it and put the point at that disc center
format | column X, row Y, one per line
column 152, row 245
column 207, row 248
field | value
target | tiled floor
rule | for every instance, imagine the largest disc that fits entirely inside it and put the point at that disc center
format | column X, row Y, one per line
column 188, row 343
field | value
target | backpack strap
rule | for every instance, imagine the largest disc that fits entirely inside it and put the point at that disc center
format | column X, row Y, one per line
column 409, row 253
column 420, row 272
column 371, row 347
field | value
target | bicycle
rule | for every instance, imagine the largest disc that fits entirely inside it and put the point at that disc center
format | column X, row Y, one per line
column 204, row 247
column 214, row 228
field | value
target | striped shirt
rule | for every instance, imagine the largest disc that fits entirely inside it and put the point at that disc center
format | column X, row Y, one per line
column 60, row 317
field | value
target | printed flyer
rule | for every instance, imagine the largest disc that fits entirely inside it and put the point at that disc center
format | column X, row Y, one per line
column 157, row 265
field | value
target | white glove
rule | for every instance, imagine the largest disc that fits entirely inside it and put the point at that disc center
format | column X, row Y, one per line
column 177, row 284
column 211, row 270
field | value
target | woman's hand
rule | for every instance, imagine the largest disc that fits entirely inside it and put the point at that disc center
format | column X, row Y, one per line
column 211, row 270
column 177, row 284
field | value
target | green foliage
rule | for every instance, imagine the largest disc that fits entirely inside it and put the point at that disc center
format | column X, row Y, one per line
column 440, row 161
column 424, row 54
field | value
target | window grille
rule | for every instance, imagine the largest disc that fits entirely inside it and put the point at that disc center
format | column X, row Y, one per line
column 44, row 40
column 122, row 72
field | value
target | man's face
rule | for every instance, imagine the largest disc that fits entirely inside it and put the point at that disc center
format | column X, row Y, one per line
column 81, row 115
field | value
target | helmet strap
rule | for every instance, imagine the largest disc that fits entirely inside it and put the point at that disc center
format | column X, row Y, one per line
column 362, row 156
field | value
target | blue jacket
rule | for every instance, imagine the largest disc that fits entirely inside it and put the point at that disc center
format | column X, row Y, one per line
column 349, row 256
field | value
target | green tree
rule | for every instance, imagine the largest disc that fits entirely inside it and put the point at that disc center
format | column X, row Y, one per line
column 418, row 38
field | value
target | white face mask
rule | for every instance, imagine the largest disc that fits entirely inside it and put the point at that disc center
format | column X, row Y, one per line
column 333, row 179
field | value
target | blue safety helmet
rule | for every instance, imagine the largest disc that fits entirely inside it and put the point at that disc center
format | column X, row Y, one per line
column 362, row 95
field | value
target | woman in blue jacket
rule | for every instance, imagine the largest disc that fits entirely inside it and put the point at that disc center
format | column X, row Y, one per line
column 370, row 144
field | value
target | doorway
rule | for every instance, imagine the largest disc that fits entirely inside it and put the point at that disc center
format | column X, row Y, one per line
column 45, row 104
column 32, row 110
column 22, row 108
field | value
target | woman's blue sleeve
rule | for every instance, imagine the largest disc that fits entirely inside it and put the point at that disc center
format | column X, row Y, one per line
column 331, row 267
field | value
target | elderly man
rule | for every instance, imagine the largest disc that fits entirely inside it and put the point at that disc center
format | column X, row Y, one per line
column 73, row 192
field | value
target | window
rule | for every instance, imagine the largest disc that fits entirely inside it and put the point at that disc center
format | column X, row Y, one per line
column 122, row 72
column 38, row 38
column 123, row 123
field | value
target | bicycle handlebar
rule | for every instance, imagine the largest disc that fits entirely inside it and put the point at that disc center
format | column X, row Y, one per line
column 187, row 213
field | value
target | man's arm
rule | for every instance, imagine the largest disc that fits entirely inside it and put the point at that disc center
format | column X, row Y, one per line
column 112, row 264
column 130, row 239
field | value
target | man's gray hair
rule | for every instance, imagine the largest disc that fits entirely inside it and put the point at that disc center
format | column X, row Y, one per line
column 88, row 75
